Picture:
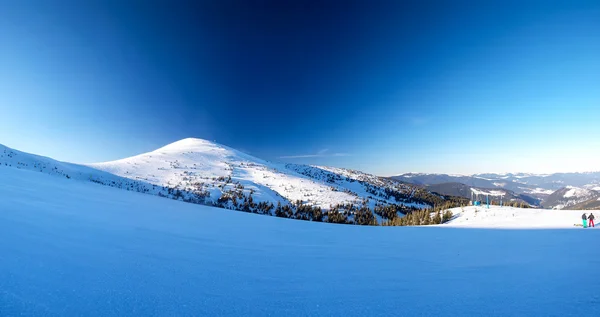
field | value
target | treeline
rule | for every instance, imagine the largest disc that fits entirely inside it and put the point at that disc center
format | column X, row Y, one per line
column 517, row 204
column 235, row 197
column 341, row 213
column 421, row 218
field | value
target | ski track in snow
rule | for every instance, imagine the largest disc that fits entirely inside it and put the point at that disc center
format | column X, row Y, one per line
column 82, row 249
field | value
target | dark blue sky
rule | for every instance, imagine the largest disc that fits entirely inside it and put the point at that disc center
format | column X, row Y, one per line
column 381, row 86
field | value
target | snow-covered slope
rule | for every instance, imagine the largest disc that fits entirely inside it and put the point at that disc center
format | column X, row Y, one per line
column 10, row 158
column 203, row 172
column 80, row 249
column 510, row 217
column 195, row 165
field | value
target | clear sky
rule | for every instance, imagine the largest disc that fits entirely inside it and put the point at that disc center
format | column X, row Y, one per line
column 380, row 86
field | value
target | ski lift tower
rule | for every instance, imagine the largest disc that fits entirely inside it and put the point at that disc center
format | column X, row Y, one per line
column 475, row 198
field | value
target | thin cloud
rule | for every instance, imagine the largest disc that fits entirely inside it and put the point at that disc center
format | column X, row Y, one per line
column 321, row 153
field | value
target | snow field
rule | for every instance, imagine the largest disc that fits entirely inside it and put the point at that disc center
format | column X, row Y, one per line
column 77, row 248
column 510, row 217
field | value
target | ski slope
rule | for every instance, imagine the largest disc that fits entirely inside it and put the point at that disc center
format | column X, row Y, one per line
column 510, row 217
column 82, row 249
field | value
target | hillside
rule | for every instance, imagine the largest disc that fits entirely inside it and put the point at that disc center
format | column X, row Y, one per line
column 78, row 248
column 592, row 204
column 202, row 172
column 569, row 197
column 202, row 166
column 10, row 158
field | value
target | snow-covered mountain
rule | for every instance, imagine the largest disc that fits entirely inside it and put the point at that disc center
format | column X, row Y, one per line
column 203, row 172
column 569, row 197
column 538, row 186
column 219, row 175
column 497, row 195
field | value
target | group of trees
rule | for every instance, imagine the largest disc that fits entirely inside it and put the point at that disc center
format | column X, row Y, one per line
column 341, row 213
column 421, row 218
column 516, row 203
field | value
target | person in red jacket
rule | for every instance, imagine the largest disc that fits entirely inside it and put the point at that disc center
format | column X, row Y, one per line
column 591, row 218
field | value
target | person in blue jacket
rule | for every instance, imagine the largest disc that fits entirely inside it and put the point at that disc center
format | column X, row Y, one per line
column 584, row 218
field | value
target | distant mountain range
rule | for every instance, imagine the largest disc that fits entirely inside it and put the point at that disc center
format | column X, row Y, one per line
column 497, row 195
column 546, row 190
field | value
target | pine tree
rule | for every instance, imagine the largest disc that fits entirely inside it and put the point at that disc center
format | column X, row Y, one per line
column 437, row 219
column 447, row 216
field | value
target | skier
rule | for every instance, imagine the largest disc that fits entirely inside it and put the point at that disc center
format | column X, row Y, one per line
column 584, row 218
column 591, row 218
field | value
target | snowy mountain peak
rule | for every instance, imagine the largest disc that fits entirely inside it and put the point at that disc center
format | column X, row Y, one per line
column 191, row 145
column 187, row 143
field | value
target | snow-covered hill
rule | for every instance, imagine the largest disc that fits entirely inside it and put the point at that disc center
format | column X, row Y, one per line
column 203, row 172
column 195, row 165
column 510, row 217
column 568, row 197
column 10, row 158
column 74, row 248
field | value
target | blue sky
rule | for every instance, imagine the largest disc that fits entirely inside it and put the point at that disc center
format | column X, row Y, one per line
column 380, row 86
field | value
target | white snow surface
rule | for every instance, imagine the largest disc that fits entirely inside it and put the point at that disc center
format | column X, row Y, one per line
column 20, row 160
column 576, row 192
column 510, row 217
column 80, row 249
column 539, row 191
column 490, row 192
